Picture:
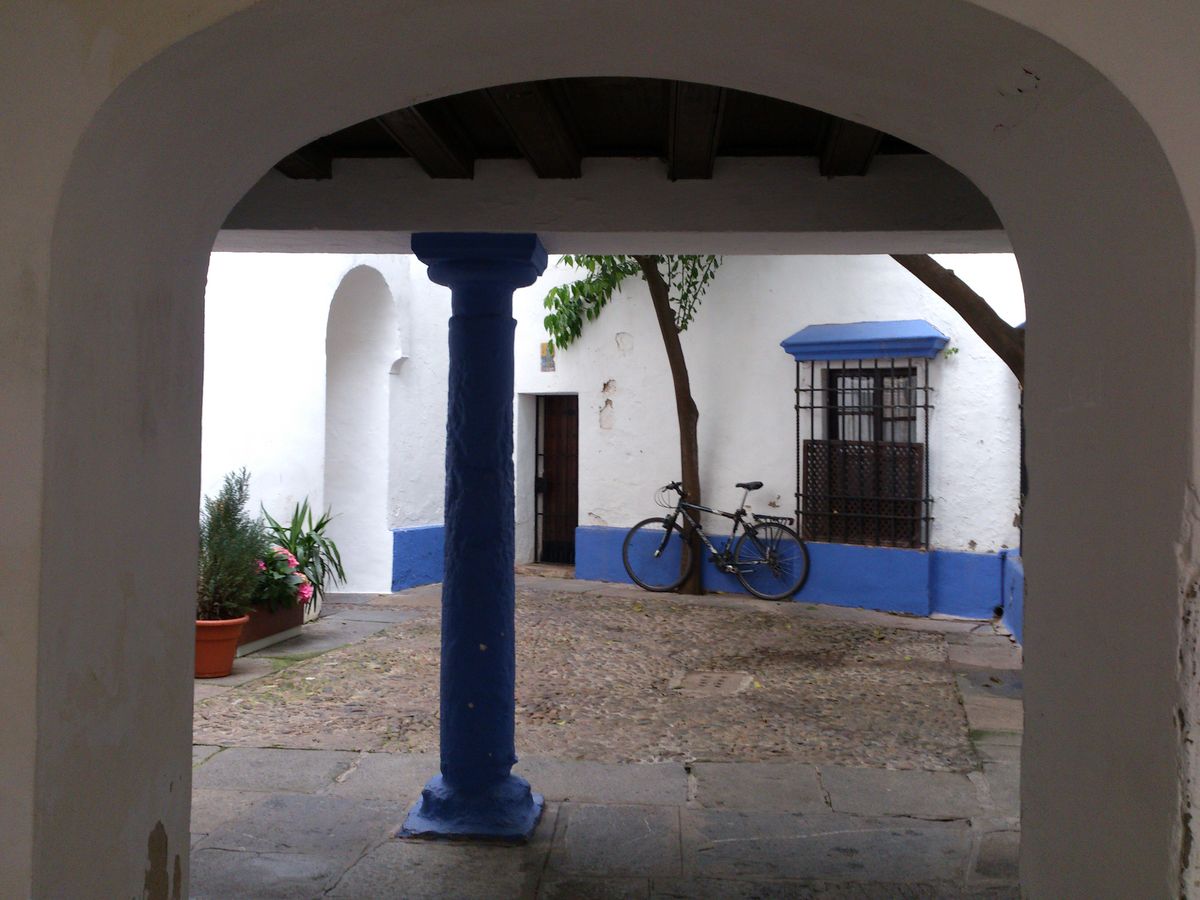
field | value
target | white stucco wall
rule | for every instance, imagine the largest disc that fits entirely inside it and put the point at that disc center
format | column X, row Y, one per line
column 266, row 318
column 264, row 374
column 418, row 401
column 744, row 382
column 265, row 392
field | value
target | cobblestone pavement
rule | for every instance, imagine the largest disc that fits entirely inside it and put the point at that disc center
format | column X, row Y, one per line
column 862, row 756
column 603, row 675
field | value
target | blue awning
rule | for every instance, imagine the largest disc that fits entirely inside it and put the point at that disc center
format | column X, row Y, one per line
column 866, row 340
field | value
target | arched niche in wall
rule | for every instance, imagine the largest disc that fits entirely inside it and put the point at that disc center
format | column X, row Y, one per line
column 360, row 346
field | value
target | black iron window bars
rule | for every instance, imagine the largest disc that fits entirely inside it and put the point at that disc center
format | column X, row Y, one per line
column 862, row 464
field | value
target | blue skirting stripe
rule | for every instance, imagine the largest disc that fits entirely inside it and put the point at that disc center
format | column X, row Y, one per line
column 870, row 577
column 883, row 578
column 1014, row 596
column 418, row 556
column 965, row 584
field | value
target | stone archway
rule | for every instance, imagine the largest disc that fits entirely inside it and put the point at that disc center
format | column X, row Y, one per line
column 1089, row 201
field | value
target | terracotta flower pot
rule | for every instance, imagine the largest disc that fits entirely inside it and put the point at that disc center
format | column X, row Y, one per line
column 216, row 643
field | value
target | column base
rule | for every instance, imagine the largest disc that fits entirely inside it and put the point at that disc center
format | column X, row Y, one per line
column 505, row 811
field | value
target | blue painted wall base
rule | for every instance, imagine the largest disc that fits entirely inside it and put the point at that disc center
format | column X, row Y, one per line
column 970, row 585
column 418, row 556
column 501, row 811
column 1014, row 597
column 916, row 582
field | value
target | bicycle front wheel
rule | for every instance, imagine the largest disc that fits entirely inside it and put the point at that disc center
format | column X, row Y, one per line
column 771, row 561
column 656, row 555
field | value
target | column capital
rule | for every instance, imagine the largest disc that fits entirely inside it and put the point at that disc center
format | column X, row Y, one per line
column 475, row 258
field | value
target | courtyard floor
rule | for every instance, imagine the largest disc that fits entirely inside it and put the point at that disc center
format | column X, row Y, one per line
column 717, row 746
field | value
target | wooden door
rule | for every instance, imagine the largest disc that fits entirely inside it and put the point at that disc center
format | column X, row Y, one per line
column 557, row 478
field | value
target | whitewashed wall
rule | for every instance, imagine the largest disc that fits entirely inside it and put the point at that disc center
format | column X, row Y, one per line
column 265, row 407
column 264, row 374
column 266, row 319
column 743, row 384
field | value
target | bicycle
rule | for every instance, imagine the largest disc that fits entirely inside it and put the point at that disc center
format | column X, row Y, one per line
column 769, row 558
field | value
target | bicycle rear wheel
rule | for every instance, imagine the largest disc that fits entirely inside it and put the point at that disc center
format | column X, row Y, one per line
column 771, row 561
column 656, row 556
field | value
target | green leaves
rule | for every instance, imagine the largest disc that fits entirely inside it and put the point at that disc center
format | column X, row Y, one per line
column 318, row 556
column 231, row 544
column 570, row 305
column 688, row 278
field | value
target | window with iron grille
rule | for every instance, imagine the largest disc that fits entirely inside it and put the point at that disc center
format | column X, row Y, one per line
column 862, row 466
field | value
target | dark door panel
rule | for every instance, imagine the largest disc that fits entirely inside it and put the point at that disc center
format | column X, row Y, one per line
column 557, row 481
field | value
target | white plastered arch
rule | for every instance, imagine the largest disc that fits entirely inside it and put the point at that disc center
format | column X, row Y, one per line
column 360, row 350
column 1088, row 199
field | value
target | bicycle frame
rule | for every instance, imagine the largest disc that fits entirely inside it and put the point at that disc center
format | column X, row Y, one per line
column 739, row 519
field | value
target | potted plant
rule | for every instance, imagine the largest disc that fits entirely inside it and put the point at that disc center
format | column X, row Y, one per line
column 232, row 548
column 277, row 608
column 316, row 556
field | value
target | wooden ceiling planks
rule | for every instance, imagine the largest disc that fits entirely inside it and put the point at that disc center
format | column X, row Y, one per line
column 554, row 125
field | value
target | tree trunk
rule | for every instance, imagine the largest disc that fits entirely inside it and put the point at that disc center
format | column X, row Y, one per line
column 1007, row 342
column 685, row 406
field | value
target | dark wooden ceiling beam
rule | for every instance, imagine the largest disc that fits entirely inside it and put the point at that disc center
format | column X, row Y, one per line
column 430, row 140
column 538, row 128
column 694, row 130
column 310, row 163
column 847, row 148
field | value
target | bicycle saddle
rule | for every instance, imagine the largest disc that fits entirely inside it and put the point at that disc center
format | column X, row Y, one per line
column 749, row 485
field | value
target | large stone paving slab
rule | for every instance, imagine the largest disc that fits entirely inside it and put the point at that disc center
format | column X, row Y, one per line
column 213, row 807
column 303, row 823
column 222, row 875
column 729, row 844
column 881, row 792
column 584, row 888
column 998, row 857
column 749, row 889
column 398, row 777
column 201, row 752
column 591, row 782
column 595, row 670
column 327, row 633
column 783, row 787
column 268, row 769
column 379, row 614
column 433, row 870
column 616, row 841
column 994, row 713
column 979, row 655
column 1003, row 781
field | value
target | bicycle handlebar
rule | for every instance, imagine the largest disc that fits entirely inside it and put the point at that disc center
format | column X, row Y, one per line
column 676, row 486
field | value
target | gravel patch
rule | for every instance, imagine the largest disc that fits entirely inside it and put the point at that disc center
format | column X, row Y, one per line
column 598, row 678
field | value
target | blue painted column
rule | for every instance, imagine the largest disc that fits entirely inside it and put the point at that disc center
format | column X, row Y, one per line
column 476, row 794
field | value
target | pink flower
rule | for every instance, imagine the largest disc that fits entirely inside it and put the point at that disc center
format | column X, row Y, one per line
column 262, row 566
column 304, row 592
